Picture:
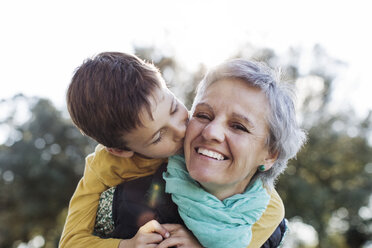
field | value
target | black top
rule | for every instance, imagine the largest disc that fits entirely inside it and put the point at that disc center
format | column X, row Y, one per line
column 139, row 201
column 277, row 236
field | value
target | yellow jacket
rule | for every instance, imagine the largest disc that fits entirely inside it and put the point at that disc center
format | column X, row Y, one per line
column 270, row 219
column 104, row 170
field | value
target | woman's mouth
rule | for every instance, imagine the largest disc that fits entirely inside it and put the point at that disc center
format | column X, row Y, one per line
column 210, row 154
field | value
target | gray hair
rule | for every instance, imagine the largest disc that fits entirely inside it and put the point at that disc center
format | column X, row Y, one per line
column 285, row 136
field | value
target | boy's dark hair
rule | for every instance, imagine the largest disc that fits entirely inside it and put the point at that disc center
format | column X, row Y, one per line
column 107, row 94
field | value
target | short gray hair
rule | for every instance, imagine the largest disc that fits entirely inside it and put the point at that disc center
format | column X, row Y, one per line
column 285, row 136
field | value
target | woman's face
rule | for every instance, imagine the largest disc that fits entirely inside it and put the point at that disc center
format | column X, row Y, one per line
column 226, row 136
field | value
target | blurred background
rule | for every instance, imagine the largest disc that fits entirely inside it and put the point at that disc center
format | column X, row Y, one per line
column 323, row 47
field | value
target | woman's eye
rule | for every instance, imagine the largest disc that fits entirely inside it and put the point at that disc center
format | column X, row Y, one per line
column 239, row 127
column 202, row 116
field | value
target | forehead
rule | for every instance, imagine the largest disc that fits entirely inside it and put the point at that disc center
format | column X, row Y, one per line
column 235, row 96
column 160, row 100
column 232, row 87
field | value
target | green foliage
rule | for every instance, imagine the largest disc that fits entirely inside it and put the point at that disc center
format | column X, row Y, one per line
column 329, row 174
column 40, row 166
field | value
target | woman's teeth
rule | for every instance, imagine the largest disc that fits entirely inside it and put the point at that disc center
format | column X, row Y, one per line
column 211, row 154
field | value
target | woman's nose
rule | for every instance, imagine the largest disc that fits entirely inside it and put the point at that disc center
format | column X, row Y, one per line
column 213, row 132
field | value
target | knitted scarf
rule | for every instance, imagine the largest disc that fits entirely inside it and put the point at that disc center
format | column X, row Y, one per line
column 215, row 223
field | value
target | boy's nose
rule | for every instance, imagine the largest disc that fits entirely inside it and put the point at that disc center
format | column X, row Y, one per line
column 179, row 130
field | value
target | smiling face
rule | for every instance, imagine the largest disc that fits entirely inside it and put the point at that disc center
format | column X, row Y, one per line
column 162, row 135
column 226, row 137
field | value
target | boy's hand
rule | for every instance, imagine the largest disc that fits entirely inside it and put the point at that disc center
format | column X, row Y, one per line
column 179, row 237
column 149, row 235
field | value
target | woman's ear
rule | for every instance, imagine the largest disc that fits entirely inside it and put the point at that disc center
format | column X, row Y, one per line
column 120, row 153
column 270, row 160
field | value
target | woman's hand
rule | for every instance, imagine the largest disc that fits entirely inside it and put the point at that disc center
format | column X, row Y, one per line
column 179, row 237
column 149, row 235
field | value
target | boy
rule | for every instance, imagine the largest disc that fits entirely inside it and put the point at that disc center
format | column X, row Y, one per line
column 122, row 103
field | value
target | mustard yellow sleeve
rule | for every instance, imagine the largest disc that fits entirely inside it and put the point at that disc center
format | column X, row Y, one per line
column 102, row 170
column 269, row 221
column 81, row 215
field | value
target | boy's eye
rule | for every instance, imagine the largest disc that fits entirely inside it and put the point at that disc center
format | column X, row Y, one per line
column 175, row 109
column 157, row 139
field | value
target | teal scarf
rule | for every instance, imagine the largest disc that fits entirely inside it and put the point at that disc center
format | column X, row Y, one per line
column 215, row 223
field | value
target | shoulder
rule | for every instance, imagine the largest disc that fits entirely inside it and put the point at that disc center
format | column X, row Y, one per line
column 274, row 212
column 112, row 170
column 276, row 206
column 99, row 155
column 269, row 221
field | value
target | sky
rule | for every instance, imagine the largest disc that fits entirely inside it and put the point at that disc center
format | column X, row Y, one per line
column 43, row 41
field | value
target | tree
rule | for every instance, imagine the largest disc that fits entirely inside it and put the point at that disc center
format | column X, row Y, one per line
column 328, row 176
column 41, row 163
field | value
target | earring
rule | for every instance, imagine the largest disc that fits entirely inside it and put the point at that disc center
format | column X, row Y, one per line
column 261, row 168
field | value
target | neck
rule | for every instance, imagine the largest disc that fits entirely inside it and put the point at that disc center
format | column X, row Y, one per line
column 223, row 191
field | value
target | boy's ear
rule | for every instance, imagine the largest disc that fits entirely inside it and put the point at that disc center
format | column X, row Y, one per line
column 120, row 153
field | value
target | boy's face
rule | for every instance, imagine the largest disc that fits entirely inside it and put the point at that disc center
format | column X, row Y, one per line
column 162, row 135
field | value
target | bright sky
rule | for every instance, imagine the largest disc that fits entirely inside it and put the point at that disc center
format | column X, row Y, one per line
column 43, row 41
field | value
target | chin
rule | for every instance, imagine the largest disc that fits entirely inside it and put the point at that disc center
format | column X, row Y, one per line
column 200, row 176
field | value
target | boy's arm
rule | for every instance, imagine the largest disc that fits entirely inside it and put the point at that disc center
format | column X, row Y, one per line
column 269, row 221
column 81, row 216
column 102, row 171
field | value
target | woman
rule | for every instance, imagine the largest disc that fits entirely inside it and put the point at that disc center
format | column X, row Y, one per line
column 242, row 132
